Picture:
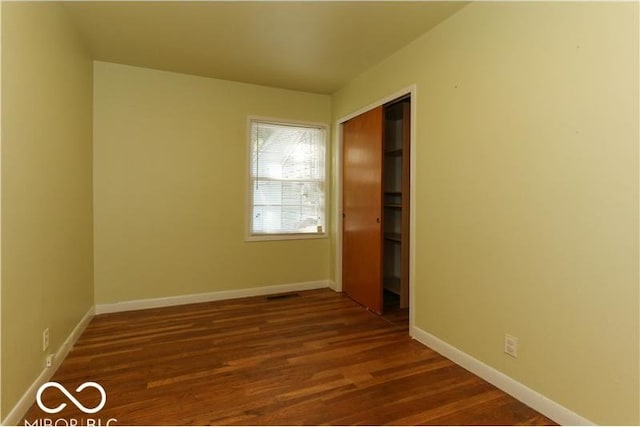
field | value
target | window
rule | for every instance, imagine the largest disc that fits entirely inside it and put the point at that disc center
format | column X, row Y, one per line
column 287, row 180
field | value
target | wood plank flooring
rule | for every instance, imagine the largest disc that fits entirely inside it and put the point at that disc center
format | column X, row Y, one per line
column 313, row 359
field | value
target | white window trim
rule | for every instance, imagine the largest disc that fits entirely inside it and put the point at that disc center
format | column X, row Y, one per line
column 251, row 237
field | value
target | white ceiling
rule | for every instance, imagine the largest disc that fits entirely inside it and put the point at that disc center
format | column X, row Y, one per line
column 308, row 46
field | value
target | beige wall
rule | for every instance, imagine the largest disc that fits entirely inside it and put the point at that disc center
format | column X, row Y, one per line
column 46, row 188
column 170, row 186
column 527, row 192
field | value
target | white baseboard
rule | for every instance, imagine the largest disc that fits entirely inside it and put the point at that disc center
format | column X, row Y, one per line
column 142, row 304
column 529, row 397
column 29, row 397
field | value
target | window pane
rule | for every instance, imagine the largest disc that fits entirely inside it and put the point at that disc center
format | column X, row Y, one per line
column 287, row 152
column 288, row 172
column 288, row 206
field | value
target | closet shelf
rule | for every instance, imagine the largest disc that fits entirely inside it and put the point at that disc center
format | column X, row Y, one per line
column 393, row 205
column 396, row 152
column 394, row 237
column 392, row 284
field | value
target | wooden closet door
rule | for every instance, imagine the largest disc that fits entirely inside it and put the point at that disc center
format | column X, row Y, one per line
column 362, row 209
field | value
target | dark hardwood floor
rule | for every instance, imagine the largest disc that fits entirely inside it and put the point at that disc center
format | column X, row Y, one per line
column 311, row 359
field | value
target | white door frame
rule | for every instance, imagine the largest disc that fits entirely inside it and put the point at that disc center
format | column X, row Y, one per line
column 337, row 197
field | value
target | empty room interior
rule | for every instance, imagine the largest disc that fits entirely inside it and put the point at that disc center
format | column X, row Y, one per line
column 319, row 213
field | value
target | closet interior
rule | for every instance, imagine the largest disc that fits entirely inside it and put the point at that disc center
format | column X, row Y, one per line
column 396, row 202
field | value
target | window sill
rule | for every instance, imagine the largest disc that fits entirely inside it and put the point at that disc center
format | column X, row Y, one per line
column 272, row 237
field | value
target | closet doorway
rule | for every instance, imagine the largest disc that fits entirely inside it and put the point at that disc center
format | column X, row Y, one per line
column 376, row 205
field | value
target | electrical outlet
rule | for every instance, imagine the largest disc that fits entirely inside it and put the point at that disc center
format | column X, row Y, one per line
column 45, row 339
column 50, row 360
column 511, row 345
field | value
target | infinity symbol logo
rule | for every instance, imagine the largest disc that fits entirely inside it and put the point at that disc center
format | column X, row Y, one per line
column 64, row 391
